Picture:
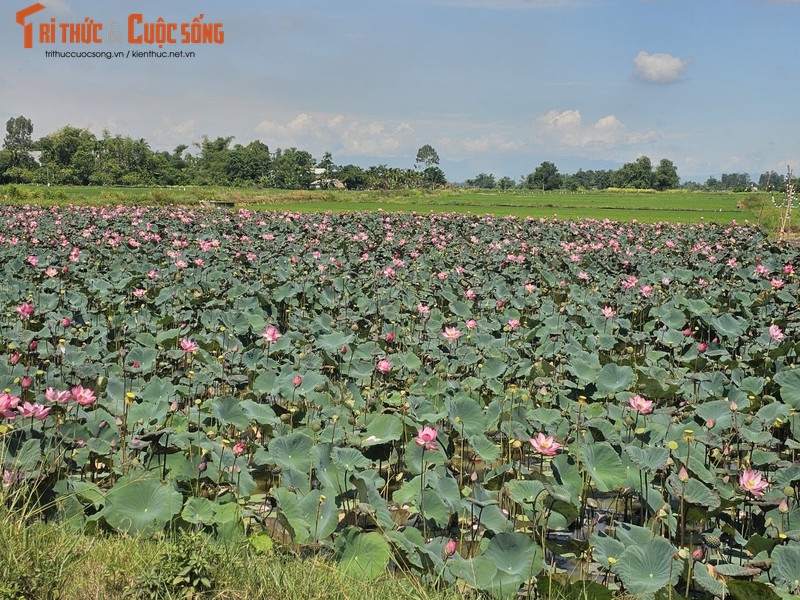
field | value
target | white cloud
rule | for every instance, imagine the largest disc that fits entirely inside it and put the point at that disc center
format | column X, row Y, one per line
column 659, row 67
column 171, row 133
column 58, row 6
column 567, row 130
column 496, row 141
column 341, row 134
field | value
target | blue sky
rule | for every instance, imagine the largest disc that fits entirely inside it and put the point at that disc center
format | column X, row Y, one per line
column 495, row 86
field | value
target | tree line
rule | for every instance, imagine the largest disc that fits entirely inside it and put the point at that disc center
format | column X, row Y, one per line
column 640, row 174
column 75, row 156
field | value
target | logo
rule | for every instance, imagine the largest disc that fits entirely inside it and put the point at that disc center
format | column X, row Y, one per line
column 140, row 31
column 28, row 27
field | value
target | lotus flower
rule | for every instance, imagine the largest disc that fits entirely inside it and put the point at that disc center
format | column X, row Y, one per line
column 426, row 437
column 752, row 481
column 451, row 334
column 545, row 445
column 641, row 405
column 189, row 346
column 83, row 396
column 271, row 334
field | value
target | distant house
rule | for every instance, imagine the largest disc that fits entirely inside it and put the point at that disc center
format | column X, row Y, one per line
column 323, row 183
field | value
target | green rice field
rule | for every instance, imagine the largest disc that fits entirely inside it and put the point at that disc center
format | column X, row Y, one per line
column 673, row 206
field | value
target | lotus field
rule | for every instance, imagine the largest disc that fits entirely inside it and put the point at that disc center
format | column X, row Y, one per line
column 505, row 405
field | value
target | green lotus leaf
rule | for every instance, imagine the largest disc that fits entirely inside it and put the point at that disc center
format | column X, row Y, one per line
column 140, row 505
column 291, row 516
column 694, row 492
column 199, row 510
column 614, row 378
column 332, row 342
column 789, row 382
column 292, row 451
column 604, row 465
column 382, row 429
column 517, row 559
column 786, row 565
column 467, row 415
column 229, row 411
column 729, row 326
column 650, row 459
column 349, row 459
column 606, row 550
column 477, row 572
column 646, row 569
column 362, row 555
column 702, row 576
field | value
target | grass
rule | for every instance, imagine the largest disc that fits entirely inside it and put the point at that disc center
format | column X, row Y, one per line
column 45, row 561
column 672, row 206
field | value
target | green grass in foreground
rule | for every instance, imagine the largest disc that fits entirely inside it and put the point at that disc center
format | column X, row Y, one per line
column 45, row 561
column 672, row 206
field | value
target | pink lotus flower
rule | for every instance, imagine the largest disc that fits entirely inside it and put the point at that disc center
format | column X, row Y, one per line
column 297, row 381
column 608, row 312
column 423, row 310
column 35, row 410
column 513, row 324
column 271, row 334
column 545, row 445
column 238, row 449
column 51, row 271
column 470, row 294
column 752, row 481
column 775, row 333
column 687, row 332
column 451, row 334
column 450, row 548
column 65, row 322
column 189, row 346
column 83, row 396
column 776, row 283
column 702, row 347
column 25, row 311
column 471, row 324
column 384, row 366
column 390, row 337
column 52, row 395
column 7, row 405
column 426, row 437
column 641, row 405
